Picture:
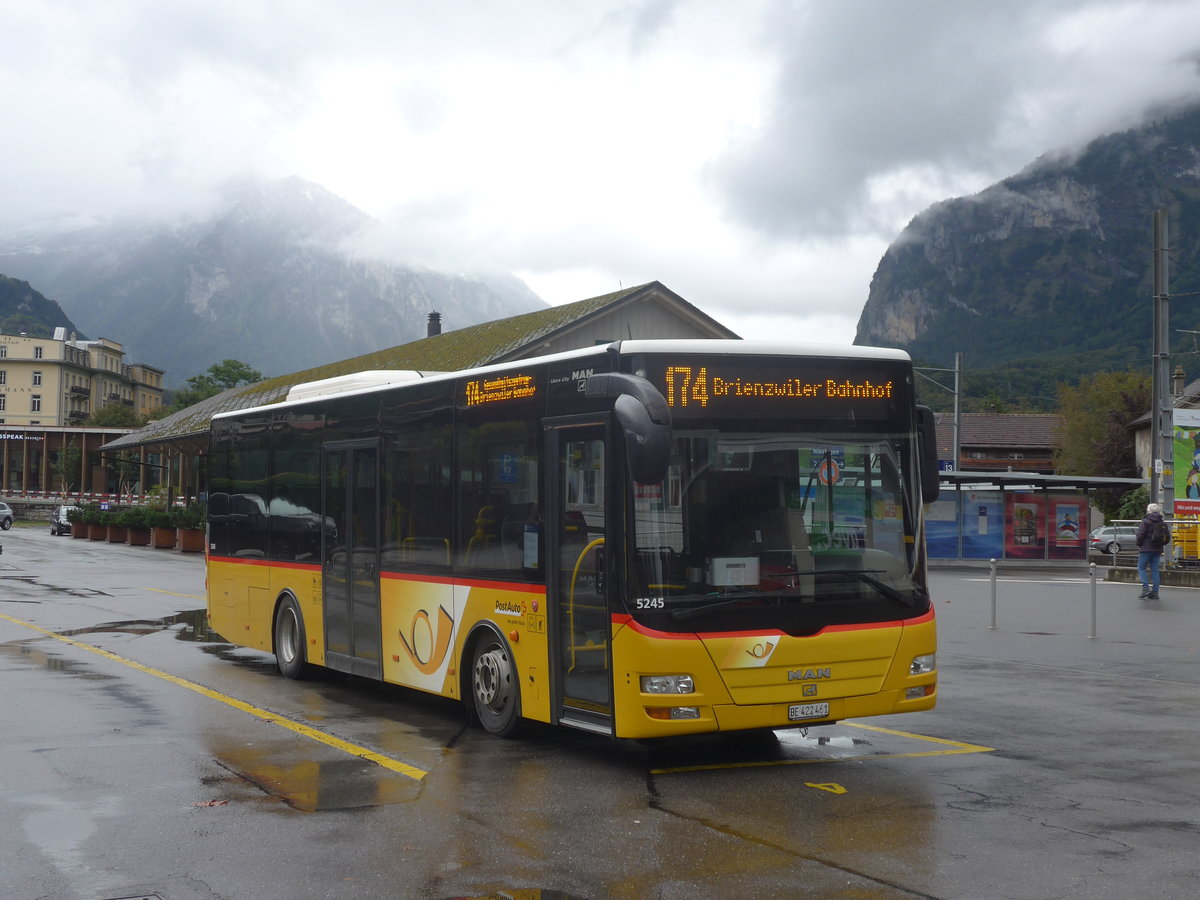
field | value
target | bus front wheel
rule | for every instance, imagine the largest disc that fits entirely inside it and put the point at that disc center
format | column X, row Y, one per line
column 494, row 686
column 289, row 640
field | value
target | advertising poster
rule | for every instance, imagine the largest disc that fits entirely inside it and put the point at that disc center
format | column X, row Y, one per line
column 1025, row 526
column 941, row 527
column 1067, row 539
column 983, row 525
column 1186, row 453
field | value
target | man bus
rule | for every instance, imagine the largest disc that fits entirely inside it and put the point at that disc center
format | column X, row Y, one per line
column 647, row 539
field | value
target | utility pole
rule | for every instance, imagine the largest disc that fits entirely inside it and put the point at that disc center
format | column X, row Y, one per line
column 1162, row 435
column 957, row 410
column 957, row 390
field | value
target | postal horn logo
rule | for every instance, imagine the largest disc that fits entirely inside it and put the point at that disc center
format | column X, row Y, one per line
column 423, row 633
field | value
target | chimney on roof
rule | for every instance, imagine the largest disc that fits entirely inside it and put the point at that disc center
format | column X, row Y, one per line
column 434, row 328
column 1177, row 380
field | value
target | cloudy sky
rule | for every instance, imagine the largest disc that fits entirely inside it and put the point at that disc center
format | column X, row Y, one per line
column 756, row 156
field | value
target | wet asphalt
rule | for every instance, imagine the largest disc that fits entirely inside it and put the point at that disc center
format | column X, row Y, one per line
column 142, row 755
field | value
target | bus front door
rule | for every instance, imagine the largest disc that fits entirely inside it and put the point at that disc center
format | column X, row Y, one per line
column 350, row 566
column 576, row 581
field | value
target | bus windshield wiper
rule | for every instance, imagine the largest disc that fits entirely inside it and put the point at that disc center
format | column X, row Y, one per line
column 727, row 600
column 867, row 576
column 724, row 601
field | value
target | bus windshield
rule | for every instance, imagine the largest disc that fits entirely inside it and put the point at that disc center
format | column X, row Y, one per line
column 777, row 530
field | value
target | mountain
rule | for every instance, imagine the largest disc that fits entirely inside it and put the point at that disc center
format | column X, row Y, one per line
column 1050, row 270
column 25, row 311
column 267, row 279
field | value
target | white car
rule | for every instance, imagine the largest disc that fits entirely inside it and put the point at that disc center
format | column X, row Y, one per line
column 6, row 516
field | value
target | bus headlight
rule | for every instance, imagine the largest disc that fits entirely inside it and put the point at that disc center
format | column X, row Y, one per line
column 923, row 665
column 668, row 684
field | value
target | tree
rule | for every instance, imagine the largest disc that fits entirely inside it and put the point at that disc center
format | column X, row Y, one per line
column 219, row 377
column 1096, row 438
column 116, row 415
column 66, row 466
column 127, row 466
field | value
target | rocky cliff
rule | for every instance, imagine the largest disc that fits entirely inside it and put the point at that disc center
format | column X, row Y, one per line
column 1052, row 266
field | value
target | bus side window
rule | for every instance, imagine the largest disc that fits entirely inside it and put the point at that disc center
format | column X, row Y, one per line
column 247, row 523
column 417, row 499
column 499, row 496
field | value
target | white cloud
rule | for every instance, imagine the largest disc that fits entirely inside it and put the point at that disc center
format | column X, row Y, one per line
column 756, row 157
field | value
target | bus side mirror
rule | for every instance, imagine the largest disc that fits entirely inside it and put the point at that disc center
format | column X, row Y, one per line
column 927, row 442
column 644, row 417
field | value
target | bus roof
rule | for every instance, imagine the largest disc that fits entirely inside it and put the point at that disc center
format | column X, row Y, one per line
column 375, row 380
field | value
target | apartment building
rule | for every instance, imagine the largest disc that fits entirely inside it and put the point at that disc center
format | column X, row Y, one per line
column 61, row 381
column 48, row 388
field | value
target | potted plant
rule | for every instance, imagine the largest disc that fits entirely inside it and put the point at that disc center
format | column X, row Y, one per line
column 158, row 518
column 115, row 531
column 138, row 520
column 93, row 517
column 79, row 522
column 190, row 520
column 162, row 530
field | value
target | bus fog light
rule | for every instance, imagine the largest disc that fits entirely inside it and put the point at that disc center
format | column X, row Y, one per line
column 673, row 712
column 923, row 665
column 668, row 684
column 918, row 693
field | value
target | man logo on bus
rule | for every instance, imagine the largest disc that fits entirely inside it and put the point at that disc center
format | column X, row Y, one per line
column 809, row 674
column 437, row 640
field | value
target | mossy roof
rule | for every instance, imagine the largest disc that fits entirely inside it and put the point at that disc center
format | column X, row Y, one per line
column 451, row 351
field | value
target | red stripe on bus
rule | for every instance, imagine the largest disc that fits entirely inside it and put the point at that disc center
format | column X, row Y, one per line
column 270, row 563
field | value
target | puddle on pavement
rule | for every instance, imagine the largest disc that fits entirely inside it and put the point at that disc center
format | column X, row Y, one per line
column 190, row 625
column 287, row 771
column 28, row 652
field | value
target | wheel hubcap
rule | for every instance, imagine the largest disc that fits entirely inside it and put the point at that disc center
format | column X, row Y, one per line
column 493, row 679
column 287, row 636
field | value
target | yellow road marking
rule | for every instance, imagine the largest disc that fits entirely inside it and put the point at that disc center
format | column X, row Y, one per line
column 266, row 715
column 961, row 746
column 175, row 594
column 956, row 747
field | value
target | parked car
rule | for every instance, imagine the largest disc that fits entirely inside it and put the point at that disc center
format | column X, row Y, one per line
column 1114, row 538
column 59, row 522
column 6, row 516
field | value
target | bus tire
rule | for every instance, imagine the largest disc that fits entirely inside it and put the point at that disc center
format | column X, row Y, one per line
column 290, row 644
column 495, row 691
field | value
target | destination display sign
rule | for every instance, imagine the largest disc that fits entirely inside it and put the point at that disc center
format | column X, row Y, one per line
column 780, row 386
column 499, row 389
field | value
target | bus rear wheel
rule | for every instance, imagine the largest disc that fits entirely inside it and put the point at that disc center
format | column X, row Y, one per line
column 494, row 687
column 289, row 640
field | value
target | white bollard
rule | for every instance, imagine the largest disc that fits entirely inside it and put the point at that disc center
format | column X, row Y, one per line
column 993, row 567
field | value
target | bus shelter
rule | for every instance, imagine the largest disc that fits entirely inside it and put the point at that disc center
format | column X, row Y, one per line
column 1015, row 515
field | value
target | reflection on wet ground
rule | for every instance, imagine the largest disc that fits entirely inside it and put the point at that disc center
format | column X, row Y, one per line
column 194, row 624
column 409, row 727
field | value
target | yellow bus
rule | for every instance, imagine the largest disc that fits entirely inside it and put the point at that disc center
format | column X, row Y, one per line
column 645, row 539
